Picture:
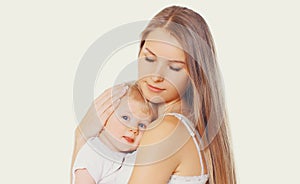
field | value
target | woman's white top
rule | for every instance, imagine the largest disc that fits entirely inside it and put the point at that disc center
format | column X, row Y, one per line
column 202, row 178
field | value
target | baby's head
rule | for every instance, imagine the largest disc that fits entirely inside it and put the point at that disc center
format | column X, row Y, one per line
column 125, row 127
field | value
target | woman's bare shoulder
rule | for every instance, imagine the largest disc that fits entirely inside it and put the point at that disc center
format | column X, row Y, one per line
column 165, row 132
column 164, row 138
column 161, row 129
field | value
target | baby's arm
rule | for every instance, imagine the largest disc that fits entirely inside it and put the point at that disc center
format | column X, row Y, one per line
column 88, row 165
column 82, row 176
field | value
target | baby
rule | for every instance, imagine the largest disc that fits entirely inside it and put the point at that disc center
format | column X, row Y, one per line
column 109, row 157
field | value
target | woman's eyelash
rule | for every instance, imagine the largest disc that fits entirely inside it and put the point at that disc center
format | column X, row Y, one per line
column 175, row 69
column 149, row 59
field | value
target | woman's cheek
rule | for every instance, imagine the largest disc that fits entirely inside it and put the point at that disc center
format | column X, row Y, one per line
column 179, row 81
column 144, row 70
column 141, row 69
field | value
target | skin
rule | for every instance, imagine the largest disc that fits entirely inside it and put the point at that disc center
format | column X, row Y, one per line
column 167, row 147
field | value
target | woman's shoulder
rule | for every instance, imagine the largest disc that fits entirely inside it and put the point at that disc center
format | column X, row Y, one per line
column 162, row 128
column 164, row 138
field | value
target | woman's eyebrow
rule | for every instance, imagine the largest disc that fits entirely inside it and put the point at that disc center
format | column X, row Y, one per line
column 150, row 51
column 173, row 61
column 176, row 61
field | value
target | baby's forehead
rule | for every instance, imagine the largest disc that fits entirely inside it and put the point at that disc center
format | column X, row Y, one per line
column 136, row 107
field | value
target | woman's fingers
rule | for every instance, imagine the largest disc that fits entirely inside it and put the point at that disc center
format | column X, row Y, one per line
column 106, row 103
column 104, row 112
column 109, row 97
column 111, row 94
column 109, row 101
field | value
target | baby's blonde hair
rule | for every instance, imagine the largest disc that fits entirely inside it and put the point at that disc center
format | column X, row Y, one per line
column 134, row 93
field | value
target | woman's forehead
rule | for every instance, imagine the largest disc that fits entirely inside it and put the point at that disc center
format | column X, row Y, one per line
column 166, row 47
column 164, row 37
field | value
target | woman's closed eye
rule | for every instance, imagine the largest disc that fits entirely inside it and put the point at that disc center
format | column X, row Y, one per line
column 149, row 59
column 172, row 66
column 176, row 69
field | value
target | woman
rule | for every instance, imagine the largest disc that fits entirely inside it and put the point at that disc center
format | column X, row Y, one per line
column 178, row 73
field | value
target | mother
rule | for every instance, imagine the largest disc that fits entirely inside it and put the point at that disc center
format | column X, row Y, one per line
column 179, row 74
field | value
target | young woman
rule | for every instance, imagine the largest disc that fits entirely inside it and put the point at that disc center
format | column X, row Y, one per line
column 178, row 73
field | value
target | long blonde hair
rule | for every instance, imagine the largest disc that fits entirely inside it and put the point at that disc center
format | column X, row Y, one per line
column 205, row 94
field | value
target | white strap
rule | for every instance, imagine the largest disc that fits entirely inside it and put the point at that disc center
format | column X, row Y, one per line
column 195, row 135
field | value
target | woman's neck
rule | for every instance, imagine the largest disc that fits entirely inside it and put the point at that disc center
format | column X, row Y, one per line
column 173, row 106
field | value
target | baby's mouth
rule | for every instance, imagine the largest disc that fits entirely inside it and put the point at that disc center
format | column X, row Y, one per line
column 128, row 139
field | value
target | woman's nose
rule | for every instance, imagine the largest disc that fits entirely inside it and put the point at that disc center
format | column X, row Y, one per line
column 158, row 73
column 157, row 78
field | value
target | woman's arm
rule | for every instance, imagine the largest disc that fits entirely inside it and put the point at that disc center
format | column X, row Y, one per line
column 158, row 155
column 98, row 113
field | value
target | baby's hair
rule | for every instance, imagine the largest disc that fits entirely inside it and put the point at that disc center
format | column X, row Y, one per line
column 135, row 93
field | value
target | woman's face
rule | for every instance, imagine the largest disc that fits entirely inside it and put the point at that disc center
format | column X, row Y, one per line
column 162, row 68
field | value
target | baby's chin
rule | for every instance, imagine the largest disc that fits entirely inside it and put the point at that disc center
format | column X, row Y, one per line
column 125, row 148
column 128, row 149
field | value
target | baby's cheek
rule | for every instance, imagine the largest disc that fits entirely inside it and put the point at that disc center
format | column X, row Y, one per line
column 138, row 139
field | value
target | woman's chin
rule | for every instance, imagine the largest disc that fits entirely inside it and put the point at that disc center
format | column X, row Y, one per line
column 157, row 100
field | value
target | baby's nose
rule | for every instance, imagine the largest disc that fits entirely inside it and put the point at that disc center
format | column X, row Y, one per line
column 135, row 131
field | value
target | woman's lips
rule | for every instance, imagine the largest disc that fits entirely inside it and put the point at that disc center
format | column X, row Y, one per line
column 128, row 139
column 154, row 89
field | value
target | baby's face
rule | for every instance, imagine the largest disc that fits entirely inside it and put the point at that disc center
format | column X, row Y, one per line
column 127, row 124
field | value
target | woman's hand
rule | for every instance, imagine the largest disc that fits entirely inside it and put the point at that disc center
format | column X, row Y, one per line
column 100, row 110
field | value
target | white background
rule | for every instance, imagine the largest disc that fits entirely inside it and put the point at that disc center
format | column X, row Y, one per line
column 42, row 42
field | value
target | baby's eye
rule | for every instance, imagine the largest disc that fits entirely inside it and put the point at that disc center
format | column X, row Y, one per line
column 142, row 126
column 126, row 118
